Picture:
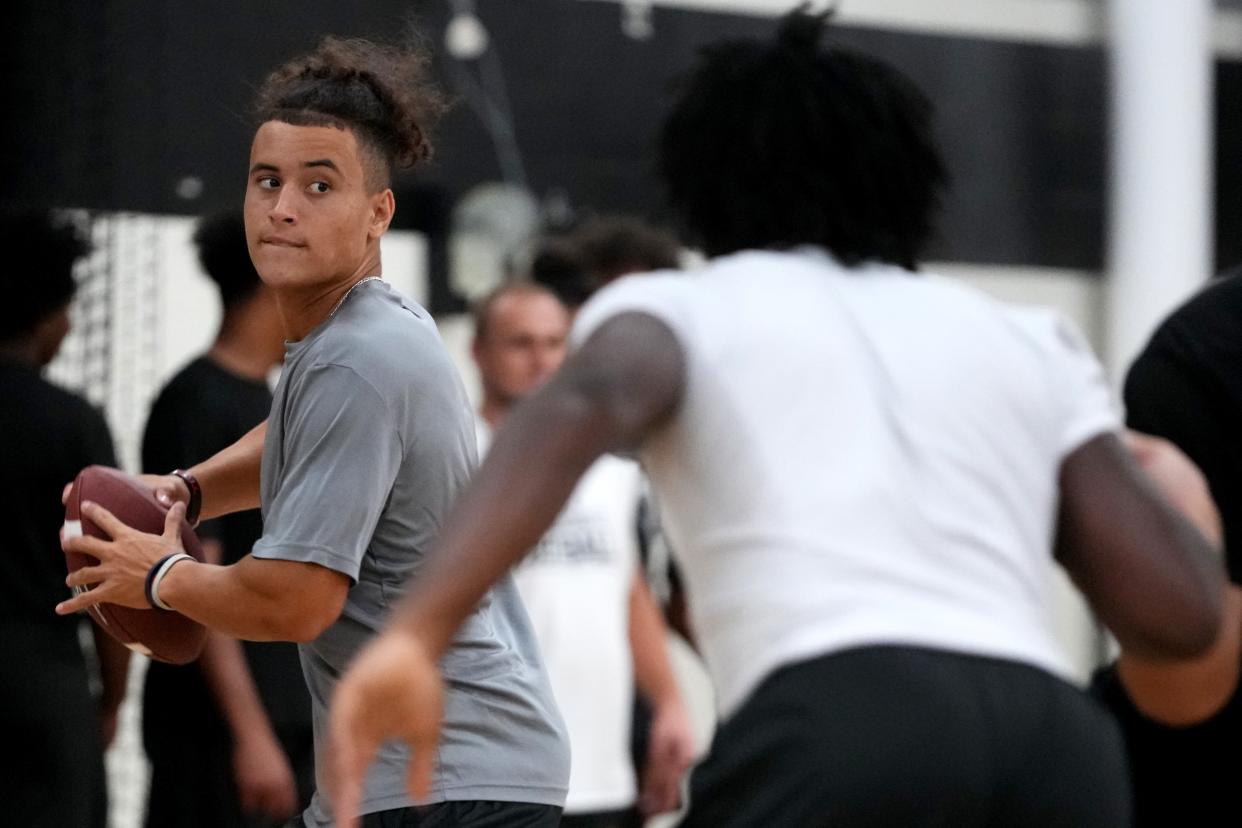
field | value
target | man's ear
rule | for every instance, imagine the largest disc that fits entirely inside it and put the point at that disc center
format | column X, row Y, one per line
column 383, row 207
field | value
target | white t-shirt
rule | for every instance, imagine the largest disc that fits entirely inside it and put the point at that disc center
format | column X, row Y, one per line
column 576, row 587
column 862, row 456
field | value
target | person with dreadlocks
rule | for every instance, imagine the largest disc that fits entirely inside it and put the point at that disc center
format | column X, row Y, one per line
column 866, row 473
column 369, row 440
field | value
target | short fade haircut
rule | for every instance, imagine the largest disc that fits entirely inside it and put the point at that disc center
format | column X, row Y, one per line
column 222, row 252
column 382, row 94
column 481, row 310
column 774, row 145
column 55, row 243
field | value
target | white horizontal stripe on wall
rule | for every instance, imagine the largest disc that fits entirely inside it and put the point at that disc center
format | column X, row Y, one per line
column 1065, row 22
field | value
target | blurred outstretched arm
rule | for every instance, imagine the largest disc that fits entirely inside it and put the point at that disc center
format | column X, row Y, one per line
column 1151, row 576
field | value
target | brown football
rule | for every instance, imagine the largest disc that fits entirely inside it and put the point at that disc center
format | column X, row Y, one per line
column 159, row 634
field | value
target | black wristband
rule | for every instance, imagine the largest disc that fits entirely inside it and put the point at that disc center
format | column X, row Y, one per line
column 196, row 495
column 146, row 588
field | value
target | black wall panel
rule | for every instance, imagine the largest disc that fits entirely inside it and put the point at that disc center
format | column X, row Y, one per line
column 111, row 103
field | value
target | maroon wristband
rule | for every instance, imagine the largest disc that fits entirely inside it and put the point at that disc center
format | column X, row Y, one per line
column 196, row 495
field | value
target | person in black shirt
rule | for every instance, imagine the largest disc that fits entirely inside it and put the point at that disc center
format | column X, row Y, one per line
column 1180, row 774
column 1185, row 386
column 229, row 738
column 47, row 435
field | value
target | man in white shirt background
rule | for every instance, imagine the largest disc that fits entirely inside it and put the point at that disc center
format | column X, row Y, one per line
column 596, row 623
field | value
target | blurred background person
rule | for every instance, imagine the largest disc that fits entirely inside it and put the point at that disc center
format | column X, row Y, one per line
column 575, row 265
column 610, row 247
column 1185, row 387
column 597, row 625
column 598, row 251
column 56, row 731
column 229, row 737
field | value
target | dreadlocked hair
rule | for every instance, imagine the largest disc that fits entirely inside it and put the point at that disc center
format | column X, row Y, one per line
column 774, row 145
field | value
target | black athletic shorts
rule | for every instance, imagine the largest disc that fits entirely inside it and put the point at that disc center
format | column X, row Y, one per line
column 900, row 736
column 468, row 814
column 626, row 818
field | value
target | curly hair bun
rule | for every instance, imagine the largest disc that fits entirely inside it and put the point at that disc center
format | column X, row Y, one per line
column 383, row 93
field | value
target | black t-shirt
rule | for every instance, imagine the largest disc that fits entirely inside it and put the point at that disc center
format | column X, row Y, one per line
column 1186, row 386
column 1180, row 775
column 48, row 436
column 202, row 410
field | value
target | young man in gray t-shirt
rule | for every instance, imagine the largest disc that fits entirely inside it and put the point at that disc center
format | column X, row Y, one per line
column 369, row 440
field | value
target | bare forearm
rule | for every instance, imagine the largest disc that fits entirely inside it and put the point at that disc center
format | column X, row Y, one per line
column 1126, row 547
column 1185, row 692
column 113, row 668
column 230, row 478
column 652, row 670
column 227, row 674
column 228, row 677
column 232, row 600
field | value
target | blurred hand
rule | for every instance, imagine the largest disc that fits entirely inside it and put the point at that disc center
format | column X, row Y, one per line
column 392, row 690
column 1179, row 480
column 265, row 784
column 168, row 488
column 670, row 754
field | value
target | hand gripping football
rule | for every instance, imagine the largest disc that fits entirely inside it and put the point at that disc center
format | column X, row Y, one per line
column 159, row 634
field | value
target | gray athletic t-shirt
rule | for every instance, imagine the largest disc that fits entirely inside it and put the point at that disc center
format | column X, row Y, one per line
column 369, row 441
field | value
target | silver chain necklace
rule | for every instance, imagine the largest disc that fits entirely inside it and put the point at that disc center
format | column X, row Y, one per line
column 341, row 301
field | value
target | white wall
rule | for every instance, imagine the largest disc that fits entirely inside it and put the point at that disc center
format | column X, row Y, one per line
column 1066, row 22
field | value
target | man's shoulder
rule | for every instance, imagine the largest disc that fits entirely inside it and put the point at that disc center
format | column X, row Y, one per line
column 1216, row 307
column 391, row 345
column 377, row 325
column 1201, row 335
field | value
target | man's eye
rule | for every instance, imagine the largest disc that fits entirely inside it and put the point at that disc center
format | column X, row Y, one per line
column 268, row 182
column 320, row 187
